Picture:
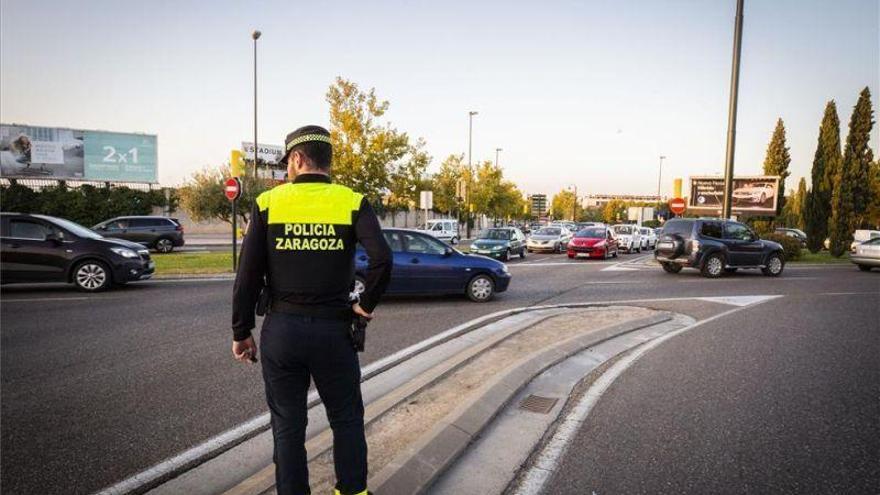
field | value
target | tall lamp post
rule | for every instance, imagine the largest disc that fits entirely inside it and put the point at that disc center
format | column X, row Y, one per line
column 255, row 35
column 574, row 205
column 660, row 178
column 470, row 149
column 731, row 111
column 497, row 150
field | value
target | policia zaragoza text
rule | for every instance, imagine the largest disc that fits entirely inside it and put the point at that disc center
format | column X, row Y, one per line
column 300, row 245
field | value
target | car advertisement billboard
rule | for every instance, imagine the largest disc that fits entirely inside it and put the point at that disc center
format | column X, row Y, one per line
column 755, row 194
column 61, row 153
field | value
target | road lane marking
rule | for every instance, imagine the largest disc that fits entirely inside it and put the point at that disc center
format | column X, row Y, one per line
column 548, row 459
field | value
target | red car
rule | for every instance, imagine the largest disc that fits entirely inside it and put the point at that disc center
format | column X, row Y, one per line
column 593, row 242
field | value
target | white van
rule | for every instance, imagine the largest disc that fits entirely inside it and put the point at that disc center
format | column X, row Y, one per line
column 443, row 229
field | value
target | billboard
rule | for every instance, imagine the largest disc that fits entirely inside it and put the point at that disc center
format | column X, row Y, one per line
column 755, row 194
column 269, row 153
column 61, row 153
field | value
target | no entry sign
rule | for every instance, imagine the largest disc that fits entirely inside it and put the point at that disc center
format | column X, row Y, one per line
column 677, row 205
column 232, row 189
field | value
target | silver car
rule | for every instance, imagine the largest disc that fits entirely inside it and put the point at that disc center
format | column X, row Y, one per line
column 552, row 239
column 629, row 237
column 867, row 254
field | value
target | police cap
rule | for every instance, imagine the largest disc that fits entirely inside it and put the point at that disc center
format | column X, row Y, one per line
column 305, row 134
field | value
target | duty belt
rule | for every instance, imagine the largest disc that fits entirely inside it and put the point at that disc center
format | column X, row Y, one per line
column 335, row 313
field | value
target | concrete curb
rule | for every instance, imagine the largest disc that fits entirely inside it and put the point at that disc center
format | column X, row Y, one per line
column 413, row 471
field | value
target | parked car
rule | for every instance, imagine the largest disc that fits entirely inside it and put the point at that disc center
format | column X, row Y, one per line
column 649, row 237
column 798, row 234
column 501, row 243
column 860, row 236
column 716, row 247
column 629, row 237
column 445, row 230
column 552, row 239
column 757, row 193
column 425, row 265
column 160, row 233
column 593, row 242
column 40, row 248
column 867, row 255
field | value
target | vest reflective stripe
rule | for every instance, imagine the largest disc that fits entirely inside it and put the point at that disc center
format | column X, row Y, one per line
column 337, row 492
column 311, row 202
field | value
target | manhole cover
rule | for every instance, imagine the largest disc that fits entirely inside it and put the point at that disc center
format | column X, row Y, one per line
column 538, row 404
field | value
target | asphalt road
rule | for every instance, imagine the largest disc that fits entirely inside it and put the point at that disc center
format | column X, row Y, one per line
column 783, row 397
column 99, row 387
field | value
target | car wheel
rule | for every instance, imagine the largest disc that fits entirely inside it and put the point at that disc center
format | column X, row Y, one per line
column 453, row 241
column 557, row 248
column 360, row 285
column 506, row 255
column 164, row 245
column 864, row 268
column 91, row 276
column 616, row 252
column 481, row 288
column 713, row 267
column 774, row 267
column 522, row 253
column 671, row 267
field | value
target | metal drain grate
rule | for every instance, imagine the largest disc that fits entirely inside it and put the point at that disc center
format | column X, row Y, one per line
column 538, row 404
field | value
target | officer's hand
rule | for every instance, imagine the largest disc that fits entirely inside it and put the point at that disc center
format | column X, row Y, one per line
column 358, row 310
column 245, row 350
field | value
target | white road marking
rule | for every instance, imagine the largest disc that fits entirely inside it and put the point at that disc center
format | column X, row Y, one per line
column 548, row 459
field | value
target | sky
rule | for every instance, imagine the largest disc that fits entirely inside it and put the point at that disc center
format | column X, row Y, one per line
column 586, row 93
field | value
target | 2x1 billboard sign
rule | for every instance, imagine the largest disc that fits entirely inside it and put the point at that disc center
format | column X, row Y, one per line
column 754, row 194
column 62, row 153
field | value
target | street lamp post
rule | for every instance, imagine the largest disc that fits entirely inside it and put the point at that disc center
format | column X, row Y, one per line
column 497, row 150
column 659, row 178
column 255, row 35
column 575, row 204
column 470, row 149
column 731, row 111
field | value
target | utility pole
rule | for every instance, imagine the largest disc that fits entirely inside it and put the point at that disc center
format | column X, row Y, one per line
column 255, row 35
column 497, row 150
column 659, row 179
column 731, row 111
column 575, row 204
column 470, row 149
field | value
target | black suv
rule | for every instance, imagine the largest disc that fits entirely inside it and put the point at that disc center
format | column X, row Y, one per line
column 40, row 248
column 716, row 247
column 160, row 233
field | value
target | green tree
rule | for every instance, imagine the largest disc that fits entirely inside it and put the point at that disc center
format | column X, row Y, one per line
column 445, row 183
column 852, row 188
column 563, row 206
column 366, row 154
column 793, row 211
column 406, row 178
column 826, row 162
column 203, row 199
column 873, row 214
column 777, row 160
column 614, row 211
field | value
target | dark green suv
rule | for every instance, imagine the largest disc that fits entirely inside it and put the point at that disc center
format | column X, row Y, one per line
column 716, row 247
column 500, row 243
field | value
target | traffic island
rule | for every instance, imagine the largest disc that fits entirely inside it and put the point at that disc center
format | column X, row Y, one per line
column 423, row 413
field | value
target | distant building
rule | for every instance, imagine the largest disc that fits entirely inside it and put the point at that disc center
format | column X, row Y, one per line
column 539, row 204
column 600, row 200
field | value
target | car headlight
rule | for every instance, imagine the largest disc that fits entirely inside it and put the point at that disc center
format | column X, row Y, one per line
column 599, row 244
column 124, row 252
column 497, row 248
column 504, row 269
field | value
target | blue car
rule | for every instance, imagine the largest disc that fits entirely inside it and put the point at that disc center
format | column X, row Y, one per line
column 425, row 265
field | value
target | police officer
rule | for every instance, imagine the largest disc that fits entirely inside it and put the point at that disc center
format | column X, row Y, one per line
column 300, row 243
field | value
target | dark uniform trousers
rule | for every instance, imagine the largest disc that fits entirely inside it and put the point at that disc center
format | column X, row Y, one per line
column 295, row 348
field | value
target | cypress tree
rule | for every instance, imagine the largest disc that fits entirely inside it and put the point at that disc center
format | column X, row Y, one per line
column 777, row 160
column 826, row 161
column 852, row 188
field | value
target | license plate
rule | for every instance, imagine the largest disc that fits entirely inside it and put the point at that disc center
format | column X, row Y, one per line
column 583, row 255
column 665, row 245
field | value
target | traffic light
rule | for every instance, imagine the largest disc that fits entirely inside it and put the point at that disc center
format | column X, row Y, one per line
column 236, row 163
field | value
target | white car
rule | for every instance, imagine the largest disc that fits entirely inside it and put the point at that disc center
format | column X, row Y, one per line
column 861, row 236
column 552, row 239
column 629, row 237
column 650, row 238
column 867, row 255
column 445, row 230
column 756, row 193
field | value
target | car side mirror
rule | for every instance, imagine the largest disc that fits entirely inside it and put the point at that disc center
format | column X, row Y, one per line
column 447, row 252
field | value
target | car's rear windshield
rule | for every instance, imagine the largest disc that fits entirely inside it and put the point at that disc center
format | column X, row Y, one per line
column 495, row 234
column 679, row 227
column 549, row 231
column 623, row 229
column 591, row 233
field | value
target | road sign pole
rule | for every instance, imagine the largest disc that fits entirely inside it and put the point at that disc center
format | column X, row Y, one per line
column 234, row 234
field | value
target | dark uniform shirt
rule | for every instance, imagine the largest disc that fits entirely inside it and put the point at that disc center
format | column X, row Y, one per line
column 301, row 242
